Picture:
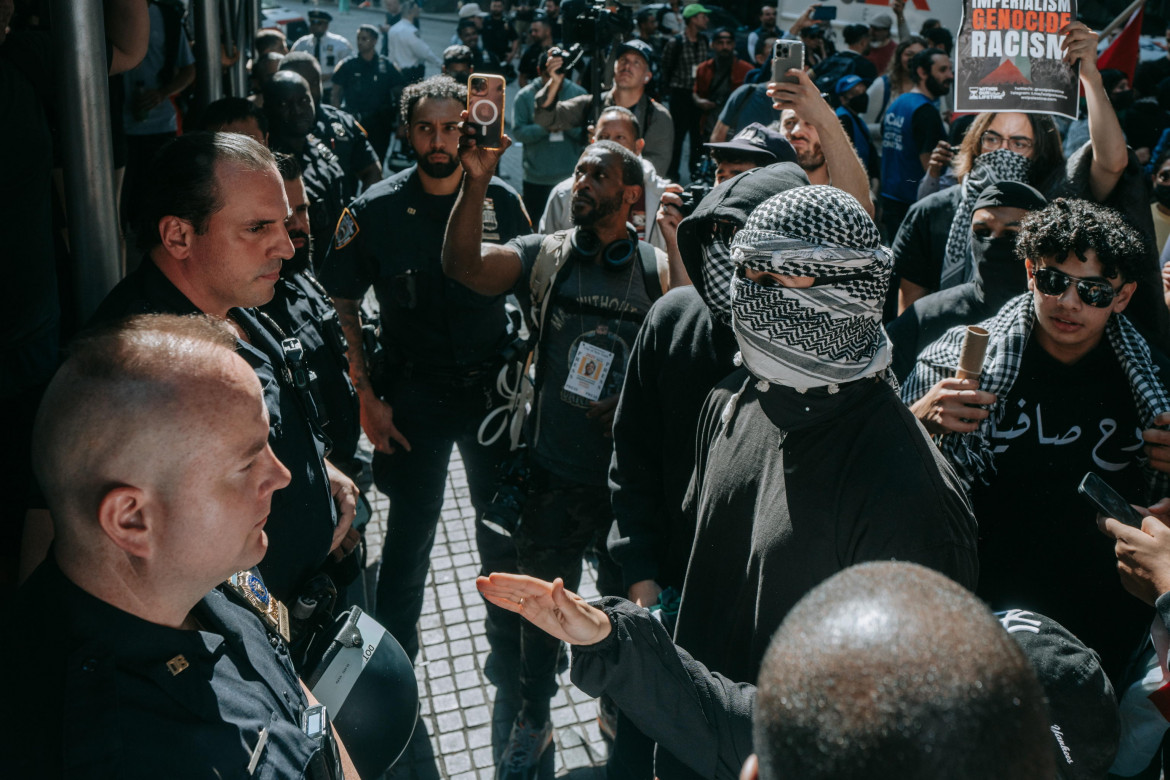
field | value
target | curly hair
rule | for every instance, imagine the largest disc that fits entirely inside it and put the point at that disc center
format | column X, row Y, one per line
column 1070, row 225
column 435, row 88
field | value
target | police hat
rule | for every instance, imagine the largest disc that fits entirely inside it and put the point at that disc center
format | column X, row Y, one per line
column 320, row 16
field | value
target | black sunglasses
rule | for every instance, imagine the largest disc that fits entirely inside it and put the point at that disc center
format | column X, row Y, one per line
column 1053, row 282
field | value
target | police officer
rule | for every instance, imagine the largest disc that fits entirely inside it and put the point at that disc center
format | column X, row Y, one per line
column 327, row 48
column 369, row 87
column 291, row 115
column 213, row 236
column 442, row 346
column 147, row 670
column 338, row 129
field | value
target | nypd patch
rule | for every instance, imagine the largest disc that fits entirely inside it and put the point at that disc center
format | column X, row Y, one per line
column 347, row 229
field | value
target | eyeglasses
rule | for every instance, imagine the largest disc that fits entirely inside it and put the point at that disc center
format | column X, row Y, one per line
column 992, row 140
column 1050, row 281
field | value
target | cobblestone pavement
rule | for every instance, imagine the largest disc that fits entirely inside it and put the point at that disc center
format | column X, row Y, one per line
column 469, row 695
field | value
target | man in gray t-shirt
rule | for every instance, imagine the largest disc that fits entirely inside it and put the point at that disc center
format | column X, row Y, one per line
column 595, row 306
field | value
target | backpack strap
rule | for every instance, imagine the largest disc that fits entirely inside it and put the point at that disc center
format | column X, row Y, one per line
column 655, row 270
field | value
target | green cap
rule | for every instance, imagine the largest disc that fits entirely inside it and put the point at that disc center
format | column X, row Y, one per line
column 694, row 9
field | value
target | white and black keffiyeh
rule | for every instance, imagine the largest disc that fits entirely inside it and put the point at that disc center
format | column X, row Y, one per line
column 817, row 336
column 1000, row 165
column 971, row 454
column 718, row 271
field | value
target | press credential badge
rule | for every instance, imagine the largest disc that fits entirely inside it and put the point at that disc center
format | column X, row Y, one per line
column 588, row 371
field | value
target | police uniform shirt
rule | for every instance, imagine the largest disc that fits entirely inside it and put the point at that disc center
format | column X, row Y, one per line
column 329, row 51
column 348, row 140
column 303, row 514
column 325, row 185
column 371, row 87
column 301, row 308
column 392, row 238
column 101, row 693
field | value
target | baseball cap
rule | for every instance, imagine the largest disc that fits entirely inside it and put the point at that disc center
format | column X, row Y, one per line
column 882, row 21
column 638, row 47
column 469, row 10
column 694, row 9
column 759, row 140
column 320, row 16
column 1082, row 709
column 846, row 83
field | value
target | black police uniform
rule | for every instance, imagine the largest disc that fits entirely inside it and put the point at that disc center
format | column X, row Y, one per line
column 442, row 343
column 349, row 141
column 371, row 90
column 103, row 693
column 303, row 515
column 302, row 308
column 325, row 185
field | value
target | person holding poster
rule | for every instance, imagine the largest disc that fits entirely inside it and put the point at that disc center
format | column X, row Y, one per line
column 931, row 253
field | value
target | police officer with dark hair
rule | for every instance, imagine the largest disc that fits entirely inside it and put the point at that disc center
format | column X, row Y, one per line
column 291, row 116
column 369, row 86
column 441, row 347
column 213, row 236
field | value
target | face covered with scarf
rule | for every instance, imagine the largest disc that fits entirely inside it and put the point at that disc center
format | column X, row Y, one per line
column 825, row 334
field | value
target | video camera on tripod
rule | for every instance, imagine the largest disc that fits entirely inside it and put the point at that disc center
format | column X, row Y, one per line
column 590, row 26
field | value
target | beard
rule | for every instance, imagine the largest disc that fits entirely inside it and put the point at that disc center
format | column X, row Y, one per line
column 811, row 160
column 598, row 212
column 438, row 170
column 301, row 257
column 937, row 87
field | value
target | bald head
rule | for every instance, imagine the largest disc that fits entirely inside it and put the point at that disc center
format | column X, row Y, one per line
column 122, row 406
column 893, row 670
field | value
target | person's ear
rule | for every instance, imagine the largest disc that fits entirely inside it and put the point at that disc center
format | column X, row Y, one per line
column 750, row 769
column 176, row 235
column 633, row 194
column 640, row 144
column 1030, row 267
column 1123, row 297
column 125, row 517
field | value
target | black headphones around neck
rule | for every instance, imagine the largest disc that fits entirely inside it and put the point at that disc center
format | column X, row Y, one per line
column 614, row 256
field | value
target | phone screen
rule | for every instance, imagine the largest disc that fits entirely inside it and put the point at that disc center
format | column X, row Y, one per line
column 485, row 108
column 1108, row 501
column 825, row 13
column 785, row 56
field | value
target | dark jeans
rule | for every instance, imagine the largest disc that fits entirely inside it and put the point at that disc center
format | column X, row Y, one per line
column 685, row 115
column 561, row 520
column 434, row 417
column 535, row 199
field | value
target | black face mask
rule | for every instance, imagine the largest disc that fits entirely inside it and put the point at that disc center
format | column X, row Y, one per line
column 1162, row 194
column 1121, row 100
column 1001, row 271
column 858, row 103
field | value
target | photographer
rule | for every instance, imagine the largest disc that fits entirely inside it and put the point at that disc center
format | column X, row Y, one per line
column 631, row 74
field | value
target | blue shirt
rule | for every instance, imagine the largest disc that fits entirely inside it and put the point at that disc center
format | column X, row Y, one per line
column 161, row 118
column 901, row 146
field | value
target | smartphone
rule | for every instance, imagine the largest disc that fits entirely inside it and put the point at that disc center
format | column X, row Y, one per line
column 824, row 13
column 485, row 109
column 1107, row 500
column 785, row 56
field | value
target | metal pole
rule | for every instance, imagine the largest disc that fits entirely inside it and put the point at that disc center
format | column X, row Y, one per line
column 208, row 73
column 241, row 38
column 1122, row 18
column 83, row 101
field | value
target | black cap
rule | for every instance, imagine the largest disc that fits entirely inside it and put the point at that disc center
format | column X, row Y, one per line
column 1012, row 194
column 320, row 16
column 638, row 46
column 1082, row 709
column 758, row 140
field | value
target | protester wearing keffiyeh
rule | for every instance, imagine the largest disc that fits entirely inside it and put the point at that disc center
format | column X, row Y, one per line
column 819, row 336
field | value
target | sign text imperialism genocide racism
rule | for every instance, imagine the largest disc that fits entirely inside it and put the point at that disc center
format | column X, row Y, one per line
column 1010, row 57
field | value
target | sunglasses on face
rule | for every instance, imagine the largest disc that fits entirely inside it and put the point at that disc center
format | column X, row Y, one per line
column 1050, row 281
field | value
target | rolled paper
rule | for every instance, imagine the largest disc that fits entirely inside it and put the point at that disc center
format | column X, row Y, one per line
column 973, row 352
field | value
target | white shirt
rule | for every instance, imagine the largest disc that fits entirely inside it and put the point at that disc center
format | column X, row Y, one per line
column 334, row 49
column 405, row 46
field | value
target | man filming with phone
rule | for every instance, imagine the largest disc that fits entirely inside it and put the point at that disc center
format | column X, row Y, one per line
column 434, row 379
column 1068, row 386
column 631, row 74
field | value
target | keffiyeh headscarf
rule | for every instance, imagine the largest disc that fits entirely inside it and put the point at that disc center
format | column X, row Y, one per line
column 718, row 272
column 989, row 168
column 820, row 336
column 971, row 454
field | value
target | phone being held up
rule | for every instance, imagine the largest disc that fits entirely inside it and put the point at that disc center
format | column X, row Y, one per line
column 485, row 109
column 785, row 56
column 1108, row 501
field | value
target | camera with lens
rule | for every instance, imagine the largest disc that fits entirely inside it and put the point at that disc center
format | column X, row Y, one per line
column 502, row 514
column 692, row 196
column 592, row 25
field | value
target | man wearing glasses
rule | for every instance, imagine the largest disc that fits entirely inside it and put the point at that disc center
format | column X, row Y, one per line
column 1068, row 386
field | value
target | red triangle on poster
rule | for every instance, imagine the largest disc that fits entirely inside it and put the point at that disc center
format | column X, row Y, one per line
column 1006, row 73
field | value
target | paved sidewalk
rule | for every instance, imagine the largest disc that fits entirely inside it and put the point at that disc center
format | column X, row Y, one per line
column 468, row 696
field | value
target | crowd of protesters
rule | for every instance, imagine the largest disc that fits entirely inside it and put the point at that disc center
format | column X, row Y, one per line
column 712, row 343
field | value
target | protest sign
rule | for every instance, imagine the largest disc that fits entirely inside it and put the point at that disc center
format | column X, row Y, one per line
column 1010, row 57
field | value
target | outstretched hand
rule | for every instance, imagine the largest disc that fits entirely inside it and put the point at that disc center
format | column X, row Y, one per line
column 478, row 164
column 548, row 606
